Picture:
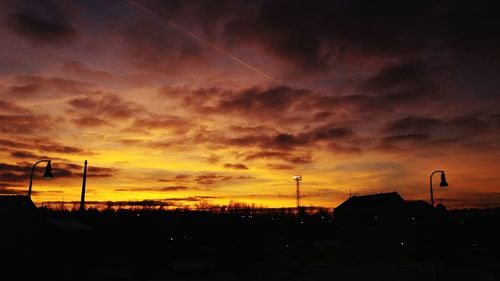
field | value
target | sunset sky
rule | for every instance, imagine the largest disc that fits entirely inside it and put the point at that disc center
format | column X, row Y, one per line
column 186, row 101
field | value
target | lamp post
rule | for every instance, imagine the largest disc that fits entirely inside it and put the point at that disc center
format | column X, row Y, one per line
column 443, row 183
column 46, row 175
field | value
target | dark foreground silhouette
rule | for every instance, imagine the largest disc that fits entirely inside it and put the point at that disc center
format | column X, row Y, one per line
column 355, row 243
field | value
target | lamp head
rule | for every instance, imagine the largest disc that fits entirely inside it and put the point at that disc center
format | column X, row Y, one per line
column 443, row 182
column 48, row 171
column 297, row 178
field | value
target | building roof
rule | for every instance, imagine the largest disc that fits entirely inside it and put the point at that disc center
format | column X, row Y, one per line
column 373, row 201
column 15, row 204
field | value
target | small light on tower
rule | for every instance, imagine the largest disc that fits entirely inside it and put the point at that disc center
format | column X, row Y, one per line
column 298, row 178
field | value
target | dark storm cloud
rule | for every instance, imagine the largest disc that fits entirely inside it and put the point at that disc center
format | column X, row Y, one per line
column 149, row 46
column 205, row 179
column 189, row 199
column 13, row 144
column 42, row 22
column 332, row 133
column 174, row 188
column 212, row 159
column 470, row 123
column 374, row 105
column 407, row 138
column 89, row 121
column 462, row 126
column 42, row 145
column 26, row 154
column 275, row 166
column 269, row 100
column 64, row 149
column 78, row 68
column 496, row 119
column 244, row 130
column 92, row 171
column 152, row 189
column 311, row 35
column 279, row 142
column 14, row 168
column 20, row 172
column 177, row 178
column 24, row 124
column 29, row 155
column 321, row 116
column 11, row 108
column 211, row 179
column 98, row 109
column 344, row 148
column 400, row 86
column 292, row 158
column 405, row 74
column 285, row 106
column 102, row 105
column 236, row 166
column 28, row 89
column 287, row 141
column 413, row 124
column 157, row 121
column 246, row 140
column 101, row 172
column 29, row 86
column 254, row 102
column 7, row 190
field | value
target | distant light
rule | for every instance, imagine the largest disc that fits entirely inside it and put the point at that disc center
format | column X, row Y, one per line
column 171, row 238
column 402, row 243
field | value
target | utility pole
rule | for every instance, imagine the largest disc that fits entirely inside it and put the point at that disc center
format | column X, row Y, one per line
column 84, row 183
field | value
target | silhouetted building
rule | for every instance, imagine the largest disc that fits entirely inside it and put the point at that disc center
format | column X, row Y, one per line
column 18, row 212
column 380, row 209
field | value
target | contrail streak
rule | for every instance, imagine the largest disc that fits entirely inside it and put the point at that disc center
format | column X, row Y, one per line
column 203, row 41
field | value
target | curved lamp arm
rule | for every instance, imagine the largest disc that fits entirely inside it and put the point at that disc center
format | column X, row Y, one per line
column 33, row 169
column 432, row 194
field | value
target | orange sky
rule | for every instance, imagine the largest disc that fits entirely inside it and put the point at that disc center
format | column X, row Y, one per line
column 357, row 104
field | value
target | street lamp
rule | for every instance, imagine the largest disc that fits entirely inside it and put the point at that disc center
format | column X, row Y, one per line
column 46, row 175
column 443, row 183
